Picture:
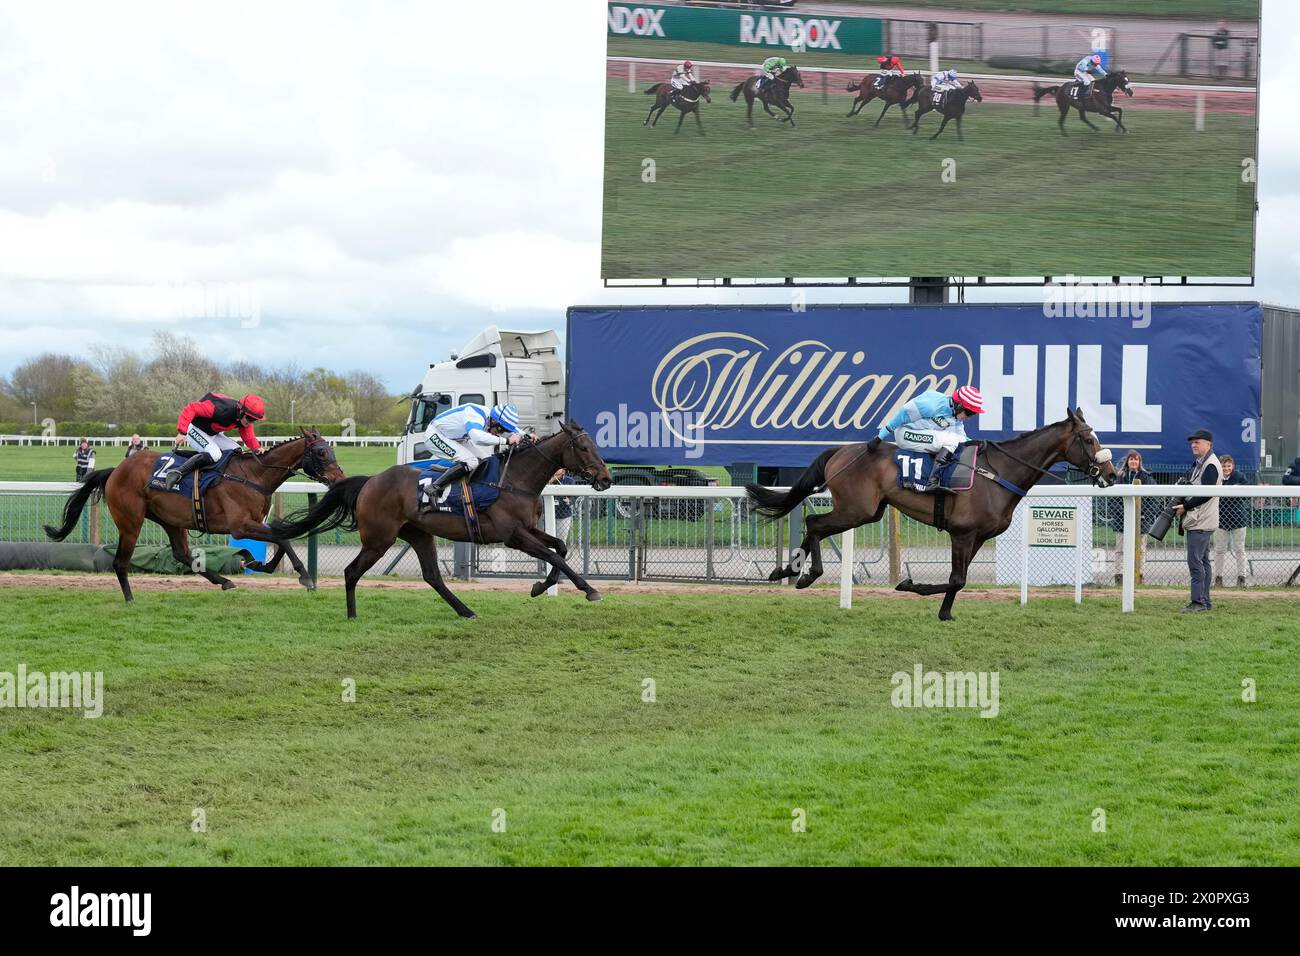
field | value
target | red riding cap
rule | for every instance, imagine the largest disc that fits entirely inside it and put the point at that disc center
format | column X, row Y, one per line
column 253, row 406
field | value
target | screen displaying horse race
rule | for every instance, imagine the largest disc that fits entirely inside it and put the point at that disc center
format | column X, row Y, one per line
column 1113, row 137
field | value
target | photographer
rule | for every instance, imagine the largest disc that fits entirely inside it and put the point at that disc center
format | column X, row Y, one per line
column 1199, row 518
column 1132, row 472
column 1292, row 475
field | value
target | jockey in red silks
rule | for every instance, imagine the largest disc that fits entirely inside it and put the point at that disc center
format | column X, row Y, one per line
column 203, row 422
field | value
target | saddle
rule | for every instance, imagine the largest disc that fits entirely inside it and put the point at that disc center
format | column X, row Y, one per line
column 1076, row 90
column 468, row 496
column 958, row 475
column 194, row 485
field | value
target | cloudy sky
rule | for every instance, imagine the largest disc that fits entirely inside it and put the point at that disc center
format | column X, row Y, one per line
column 349, row 185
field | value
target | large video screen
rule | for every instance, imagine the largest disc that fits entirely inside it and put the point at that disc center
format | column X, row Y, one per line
column 771, row 385
column 1098, row 138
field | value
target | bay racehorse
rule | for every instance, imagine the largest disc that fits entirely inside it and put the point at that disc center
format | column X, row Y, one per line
column 384, row 508
column 1100, row 100
column 863, row 478
column 952, row 105
column 775, row 92
column 235, row 505
column 901, row 90
column 687, row 100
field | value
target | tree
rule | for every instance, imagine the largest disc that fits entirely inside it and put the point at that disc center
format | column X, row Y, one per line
column 49, row 381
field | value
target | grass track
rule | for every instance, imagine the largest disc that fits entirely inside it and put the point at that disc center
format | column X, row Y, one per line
column 835, row 197
column 765, row 703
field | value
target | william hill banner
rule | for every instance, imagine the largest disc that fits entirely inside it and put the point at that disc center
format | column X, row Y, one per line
column 827, row 33
column 774, row 386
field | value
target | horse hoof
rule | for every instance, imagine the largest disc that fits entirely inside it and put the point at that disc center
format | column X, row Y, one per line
column 308, row 583
column 593, row 595
column 904, row 585
column 539, row 588
column 803, row 583
column 777, row 575
column 228, row 585
column 467, row 613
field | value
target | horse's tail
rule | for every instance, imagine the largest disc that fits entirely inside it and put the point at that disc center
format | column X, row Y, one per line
column 1041, row 91
column 774, row 504
column 653, row 89
column 94, row 482
column 853, row 86
column 736, row 92
column 338, row 509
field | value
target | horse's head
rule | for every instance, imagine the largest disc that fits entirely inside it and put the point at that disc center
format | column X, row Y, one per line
column 705, row 89
column 1084, row 451
column 973, row 92
column 1121, row 82
column 791, row 75
column 582, row 457
column 318, row 459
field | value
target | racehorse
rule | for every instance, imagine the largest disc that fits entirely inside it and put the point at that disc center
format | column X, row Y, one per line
column 775, row 92
column 863, row 478
column 902, row 90
column 384, row 508
column 235, row 505
column 687, row 100
column 952, row 105
column 1100, row 100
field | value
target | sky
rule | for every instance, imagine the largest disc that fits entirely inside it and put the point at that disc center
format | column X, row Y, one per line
column 358, row 186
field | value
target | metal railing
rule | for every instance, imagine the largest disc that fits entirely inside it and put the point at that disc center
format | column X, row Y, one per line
column 711, row 535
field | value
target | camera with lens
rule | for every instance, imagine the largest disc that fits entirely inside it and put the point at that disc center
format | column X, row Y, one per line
column 1160, row 527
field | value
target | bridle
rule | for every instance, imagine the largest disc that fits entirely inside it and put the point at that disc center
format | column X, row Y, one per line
column 537, row 447
column 311, row 454
column 1095, row 460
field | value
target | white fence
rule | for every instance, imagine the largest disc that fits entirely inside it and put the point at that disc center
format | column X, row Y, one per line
column 391, row 441
column 710, row 534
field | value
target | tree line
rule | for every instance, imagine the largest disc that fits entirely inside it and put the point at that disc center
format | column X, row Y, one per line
column 121, row 387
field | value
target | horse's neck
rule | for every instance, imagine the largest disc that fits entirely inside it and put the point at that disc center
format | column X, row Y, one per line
column 529, row 469
column 1041, row 448
column 273, row 468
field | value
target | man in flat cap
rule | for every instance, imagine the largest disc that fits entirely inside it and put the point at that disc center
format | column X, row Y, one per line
column 1200, row 516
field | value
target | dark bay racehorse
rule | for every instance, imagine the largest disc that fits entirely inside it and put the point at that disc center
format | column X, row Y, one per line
column 384, row 508
column 687, row 100
column 901, row 90
column 773, row 93
column 863, row 478
column 235, row 505
column 1100, row 100
column 952, row 106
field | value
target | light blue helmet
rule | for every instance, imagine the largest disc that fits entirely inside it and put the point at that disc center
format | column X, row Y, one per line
column 507, row 416
column 952, row 74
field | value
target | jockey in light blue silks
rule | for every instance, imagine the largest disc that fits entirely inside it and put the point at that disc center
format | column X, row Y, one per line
column 943, row 81
column 468, row 433
column 1084, row 71
column 934, row 423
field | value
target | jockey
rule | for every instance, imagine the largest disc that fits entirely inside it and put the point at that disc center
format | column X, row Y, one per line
column 889, row 66
column 771, row 68
column 683, row 76
column 945, row 80
column 202, row 424
column 465, row 434
column 934, row 423
column 1083, row 72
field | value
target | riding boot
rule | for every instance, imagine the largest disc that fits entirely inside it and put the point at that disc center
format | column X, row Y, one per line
column 193, row 463
column 940, row 462
column 455, row 472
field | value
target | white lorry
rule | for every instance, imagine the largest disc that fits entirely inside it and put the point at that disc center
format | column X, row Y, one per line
column 496, row 366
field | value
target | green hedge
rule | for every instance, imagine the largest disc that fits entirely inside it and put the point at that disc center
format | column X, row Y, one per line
column 154, row 430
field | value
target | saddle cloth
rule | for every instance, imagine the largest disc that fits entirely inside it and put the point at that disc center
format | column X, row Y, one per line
column 482, row 485
column 208, row 476
column 958, row 475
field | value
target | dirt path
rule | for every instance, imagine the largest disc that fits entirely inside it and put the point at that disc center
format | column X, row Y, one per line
column 142, row 583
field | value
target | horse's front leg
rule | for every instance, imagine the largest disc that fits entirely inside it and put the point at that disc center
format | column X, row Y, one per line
column 523, row 539
column 1117, row 115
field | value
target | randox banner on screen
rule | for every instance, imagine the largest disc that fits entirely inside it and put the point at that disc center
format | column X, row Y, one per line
column 830, row 34
column 771, row 385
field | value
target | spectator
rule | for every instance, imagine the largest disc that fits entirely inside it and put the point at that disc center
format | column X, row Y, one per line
column 136, row 445
column 1199, row 517
column 84, row 456
column 1220, row 44
column 1131, row 472
column 563, row 506
column 1234, row 516
column 1292, row 475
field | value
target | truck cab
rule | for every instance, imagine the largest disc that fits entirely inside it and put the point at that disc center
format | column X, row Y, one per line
column 497, row 365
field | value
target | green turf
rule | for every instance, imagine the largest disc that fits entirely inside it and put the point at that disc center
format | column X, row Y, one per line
column 1215, row 9
column 764, row 704
column 835, row 197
